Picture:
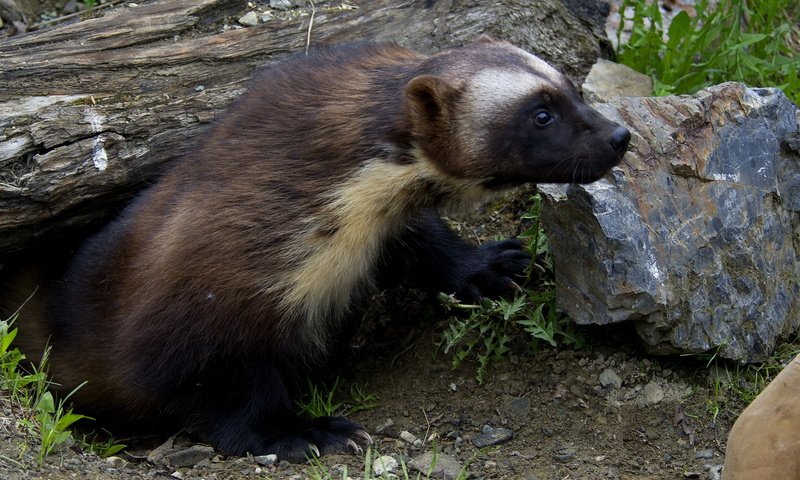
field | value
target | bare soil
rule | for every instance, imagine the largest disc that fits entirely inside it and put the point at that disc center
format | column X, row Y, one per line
column 564, row 423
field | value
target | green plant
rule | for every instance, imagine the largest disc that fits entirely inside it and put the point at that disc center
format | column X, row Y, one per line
column 750, row 41
column 53, row 421
column 487, row 332
column 321, row 401
column 49, row 420
column 102, row 444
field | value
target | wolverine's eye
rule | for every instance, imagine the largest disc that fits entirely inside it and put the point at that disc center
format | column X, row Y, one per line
column 542, row 118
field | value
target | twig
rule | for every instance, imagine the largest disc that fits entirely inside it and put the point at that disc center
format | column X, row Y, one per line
column 310, row 25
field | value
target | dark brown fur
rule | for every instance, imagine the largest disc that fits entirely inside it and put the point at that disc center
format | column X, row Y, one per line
column 220, row 284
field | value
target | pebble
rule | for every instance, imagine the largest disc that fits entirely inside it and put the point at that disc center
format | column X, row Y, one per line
column 653, row 393
column 189, row 457
column 492, row 436
column 383, row 465
column 609, row 378
column 407, row 436
column 116, row 462
column 385, row 425
column 249, row 19
column 519, row 407
column 704, row 454
column 280, row 4
column 444, row 466
column 266, row 17
column 566, row 454
column 266, row 459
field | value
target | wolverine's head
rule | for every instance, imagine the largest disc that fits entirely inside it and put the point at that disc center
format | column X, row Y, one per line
column 494, row 112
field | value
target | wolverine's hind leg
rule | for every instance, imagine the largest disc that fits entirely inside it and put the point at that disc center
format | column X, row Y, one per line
column 433, row 257
column 248, row 409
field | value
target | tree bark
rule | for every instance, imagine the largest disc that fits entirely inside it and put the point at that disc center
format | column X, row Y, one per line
column 90, row 112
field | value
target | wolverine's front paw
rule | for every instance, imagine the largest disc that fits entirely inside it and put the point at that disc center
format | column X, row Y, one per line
column 494, row 271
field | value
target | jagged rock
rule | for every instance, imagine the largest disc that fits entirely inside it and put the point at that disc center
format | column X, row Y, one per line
column 695, row 237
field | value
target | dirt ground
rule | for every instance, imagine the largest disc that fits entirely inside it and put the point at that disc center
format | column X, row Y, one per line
column 606, row 411
column 565, row 424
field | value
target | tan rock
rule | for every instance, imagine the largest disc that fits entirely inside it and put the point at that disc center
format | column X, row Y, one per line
column 764, row 443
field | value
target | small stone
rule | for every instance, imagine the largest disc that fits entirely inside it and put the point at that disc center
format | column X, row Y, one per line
column 653, row 393
column 609, row 378
column 189, row 457
column 388, row 423
column 407, row 436
column 70, row 7
column 518, row 407
column 383, row 465
column 704, row 454
column 280, row 4
column 249, row 19
column 437, row 465
column 266, row 459
column 566, row 454
column 492, row 436
column 116, row 462
column 548, row 432
column 177, row 475
column 266, row 17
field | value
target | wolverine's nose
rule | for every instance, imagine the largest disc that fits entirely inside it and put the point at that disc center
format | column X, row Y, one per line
column 619, row 140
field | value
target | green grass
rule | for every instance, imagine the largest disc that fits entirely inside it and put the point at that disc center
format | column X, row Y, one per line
column 48, row 420
column 321, row 401
column 752, row 41
column 486, row 333
column 732, row 385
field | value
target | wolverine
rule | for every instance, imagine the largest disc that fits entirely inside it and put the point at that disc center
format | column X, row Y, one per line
column 220, row 286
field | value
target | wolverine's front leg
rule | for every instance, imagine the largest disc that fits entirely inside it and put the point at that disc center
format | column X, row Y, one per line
column 431, row 256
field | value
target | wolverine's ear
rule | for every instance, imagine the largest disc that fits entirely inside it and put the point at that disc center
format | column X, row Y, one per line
column 430, row 100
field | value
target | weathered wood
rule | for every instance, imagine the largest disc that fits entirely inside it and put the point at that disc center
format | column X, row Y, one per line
column 89, row 112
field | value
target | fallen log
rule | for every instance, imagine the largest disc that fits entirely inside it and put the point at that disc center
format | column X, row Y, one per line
column 90, row 112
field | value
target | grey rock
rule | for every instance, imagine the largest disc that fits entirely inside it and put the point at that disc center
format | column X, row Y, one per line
column 280, row 4
column 384, row 464
column 566, row 453
column 518, row 407
column 249, row 19
column 492, row 436
column 609, row 378
column 704, row 454
column 189, row 457
column 437, row 465
column 407, row 436
column 116, row 462
column 608, row 79
column 266, row 459
column 653, row 393
column 695, row 236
